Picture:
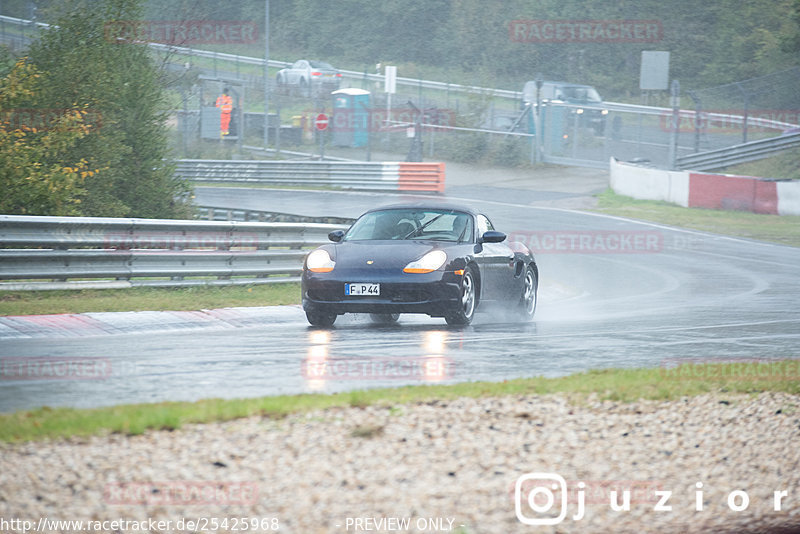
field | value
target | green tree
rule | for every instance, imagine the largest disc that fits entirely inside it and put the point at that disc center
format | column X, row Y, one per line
column 39, row 175
column 120, row 85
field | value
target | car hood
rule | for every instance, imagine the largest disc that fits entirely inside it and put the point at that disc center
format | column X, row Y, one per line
column 384, row 254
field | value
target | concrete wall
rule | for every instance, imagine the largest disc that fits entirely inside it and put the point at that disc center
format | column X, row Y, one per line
column 650, row 184
column 788, row 197
column 704, row 190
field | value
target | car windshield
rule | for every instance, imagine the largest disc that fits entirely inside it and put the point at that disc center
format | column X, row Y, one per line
column 412, row 223
column 321, row 65
column 582, row 94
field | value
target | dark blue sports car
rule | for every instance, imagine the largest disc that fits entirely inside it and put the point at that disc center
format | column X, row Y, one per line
column 437, row 259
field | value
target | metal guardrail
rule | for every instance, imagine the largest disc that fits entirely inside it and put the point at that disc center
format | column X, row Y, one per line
column 151, row 252
column 369, row 176
column 216, row 213
column 742, row 153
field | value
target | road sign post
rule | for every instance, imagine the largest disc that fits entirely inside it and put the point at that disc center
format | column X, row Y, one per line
column 390, row 86
column 321, row 123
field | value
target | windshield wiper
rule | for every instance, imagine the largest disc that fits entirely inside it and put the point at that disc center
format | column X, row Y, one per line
column 421, row 228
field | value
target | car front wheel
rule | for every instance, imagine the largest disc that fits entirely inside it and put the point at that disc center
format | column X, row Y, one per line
column 465, row 311
column 527, row 303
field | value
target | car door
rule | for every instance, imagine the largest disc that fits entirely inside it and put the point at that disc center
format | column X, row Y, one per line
column 497, row 264
column 297, row 71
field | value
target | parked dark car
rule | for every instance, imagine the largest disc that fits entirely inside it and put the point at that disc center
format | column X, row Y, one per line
column 436, row 259
column 583, row 100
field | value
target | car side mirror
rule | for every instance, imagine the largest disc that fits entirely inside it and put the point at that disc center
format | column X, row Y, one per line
column 492, row 236
column 336, row 236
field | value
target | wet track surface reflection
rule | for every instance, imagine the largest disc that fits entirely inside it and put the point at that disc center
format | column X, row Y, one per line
column 693, row 297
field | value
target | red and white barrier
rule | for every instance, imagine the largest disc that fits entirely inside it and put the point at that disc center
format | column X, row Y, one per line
column 420, row 177
column 704, row 190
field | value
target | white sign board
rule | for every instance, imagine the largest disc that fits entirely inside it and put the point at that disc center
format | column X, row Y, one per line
column 654, row 74
column 391, row 78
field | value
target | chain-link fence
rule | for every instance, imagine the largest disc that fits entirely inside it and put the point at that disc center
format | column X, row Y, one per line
column 750, row 109
column 436, row 121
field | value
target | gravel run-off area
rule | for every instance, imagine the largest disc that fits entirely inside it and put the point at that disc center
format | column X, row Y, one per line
column 448, row 466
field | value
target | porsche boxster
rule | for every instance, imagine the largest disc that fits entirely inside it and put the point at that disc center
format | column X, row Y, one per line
column 436, row 259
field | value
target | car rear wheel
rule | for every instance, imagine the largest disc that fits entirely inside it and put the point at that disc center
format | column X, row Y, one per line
column 321, row 318
column 384, row 318
column 527, row 303
column 465, row 311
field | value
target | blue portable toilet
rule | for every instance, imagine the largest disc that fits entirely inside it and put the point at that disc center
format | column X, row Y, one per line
column 553, row 124
column 351, row 118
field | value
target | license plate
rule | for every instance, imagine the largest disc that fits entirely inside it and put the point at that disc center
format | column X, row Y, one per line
column 362, row 289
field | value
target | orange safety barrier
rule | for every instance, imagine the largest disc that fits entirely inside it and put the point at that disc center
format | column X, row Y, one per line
column 421, row 177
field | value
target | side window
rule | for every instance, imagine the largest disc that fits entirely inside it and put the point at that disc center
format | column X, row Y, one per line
column 299, row 64
column 484, row 225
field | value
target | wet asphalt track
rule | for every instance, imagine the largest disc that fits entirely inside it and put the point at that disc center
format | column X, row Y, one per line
column 680, row 296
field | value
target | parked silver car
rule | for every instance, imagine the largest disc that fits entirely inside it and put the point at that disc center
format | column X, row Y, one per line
column 307, row 78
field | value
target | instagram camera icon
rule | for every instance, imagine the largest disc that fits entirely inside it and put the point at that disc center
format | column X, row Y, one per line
column 546, row 485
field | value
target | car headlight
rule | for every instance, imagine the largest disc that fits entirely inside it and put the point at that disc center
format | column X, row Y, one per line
column 604, row 112
column 320, row 261
column 427, row 263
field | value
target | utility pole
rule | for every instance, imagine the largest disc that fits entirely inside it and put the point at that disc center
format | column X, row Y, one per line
column 675, row 102
column 266, row 74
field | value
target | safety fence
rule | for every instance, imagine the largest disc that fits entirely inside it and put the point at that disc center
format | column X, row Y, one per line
column 367, row 176
column 78, row 252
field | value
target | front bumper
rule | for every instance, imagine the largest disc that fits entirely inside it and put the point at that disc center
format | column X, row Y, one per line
column 436, row 294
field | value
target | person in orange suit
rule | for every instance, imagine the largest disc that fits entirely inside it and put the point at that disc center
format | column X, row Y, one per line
column 225, row 103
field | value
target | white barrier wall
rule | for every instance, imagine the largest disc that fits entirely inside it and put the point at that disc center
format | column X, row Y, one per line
column 704, row 190
column 649, row 184
column 788, row 198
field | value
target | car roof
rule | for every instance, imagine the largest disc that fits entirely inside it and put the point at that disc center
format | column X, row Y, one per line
column 561, row 84
column 427, row 206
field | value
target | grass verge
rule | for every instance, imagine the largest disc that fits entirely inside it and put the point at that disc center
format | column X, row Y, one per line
column 623, row 385
column 783, row 229
column 784, row 164
column 146, row 299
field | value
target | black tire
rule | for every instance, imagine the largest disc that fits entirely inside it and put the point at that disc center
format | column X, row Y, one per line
column 465, row 312
column 384, row 318
column 528, row 299
column 305, row 90
column 321, row 319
